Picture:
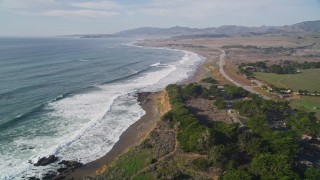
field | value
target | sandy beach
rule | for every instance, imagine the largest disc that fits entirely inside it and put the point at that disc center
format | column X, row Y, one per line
column 137, row 132
column 130, row 138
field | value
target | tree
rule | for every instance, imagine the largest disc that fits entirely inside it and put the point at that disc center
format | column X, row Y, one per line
column 235, row 92
column 304, row 123
column 218, row 155
column 257, row 146
column 286, row 146
column 235, row 174
column 258, row 124
column 243, row 140
column 193, row 90
column 269, row 166
column 312, row 173
column 209, row 80
column 220, row 103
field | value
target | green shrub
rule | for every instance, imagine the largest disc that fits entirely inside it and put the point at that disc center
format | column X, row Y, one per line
column 312, row 173
column 168, row 116
column 201, row 163
column 237, row 175
column 193, row 90
column 269, row 166
column 192, row 136
column 235, row 92
column 209, row 80
column 220, row 103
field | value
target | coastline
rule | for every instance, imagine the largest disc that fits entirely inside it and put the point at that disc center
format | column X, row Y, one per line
column 137, row 132
column 129, row 138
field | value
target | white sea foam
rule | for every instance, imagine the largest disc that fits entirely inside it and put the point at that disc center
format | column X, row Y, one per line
column 87, row 125
column 84, row 60
column 155, row 64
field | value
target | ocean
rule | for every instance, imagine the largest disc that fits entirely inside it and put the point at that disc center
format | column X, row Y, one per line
column 74, row 97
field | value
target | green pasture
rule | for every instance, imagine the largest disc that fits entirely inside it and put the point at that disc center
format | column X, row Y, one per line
column 309, row 103
column 308, row 79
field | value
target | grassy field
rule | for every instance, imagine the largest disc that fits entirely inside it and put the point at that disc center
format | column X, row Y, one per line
column 128, row 164
column 307, row 80
column 308, row 103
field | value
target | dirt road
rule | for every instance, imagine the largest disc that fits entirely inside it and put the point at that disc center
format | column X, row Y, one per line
column 221, row 66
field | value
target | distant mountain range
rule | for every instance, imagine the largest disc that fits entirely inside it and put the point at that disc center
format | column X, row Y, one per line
column 222, row 31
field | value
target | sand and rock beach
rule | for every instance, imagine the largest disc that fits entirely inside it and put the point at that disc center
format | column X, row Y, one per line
column 148, row 128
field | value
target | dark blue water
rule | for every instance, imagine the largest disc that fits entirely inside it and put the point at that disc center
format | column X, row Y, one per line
column 34, row 71
column 61, row 95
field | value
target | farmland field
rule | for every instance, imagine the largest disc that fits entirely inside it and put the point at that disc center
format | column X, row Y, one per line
column 311, row 104
column 307, row 80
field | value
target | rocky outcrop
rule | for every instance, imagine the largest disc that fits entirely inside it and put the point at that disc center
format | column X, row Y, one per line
column 66, row 168
column 49, row 175
column 143, row 97
column 46, row 160
column 69, row 167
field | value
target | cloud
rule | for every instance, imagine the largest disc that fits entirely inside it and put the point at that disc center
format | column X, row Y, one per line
column 61, row 8
column 188, row 9
column 156, row 11
column 105, row 5
column 182, row 10
column 203, row 9
column 79, row 13
column 26, row 4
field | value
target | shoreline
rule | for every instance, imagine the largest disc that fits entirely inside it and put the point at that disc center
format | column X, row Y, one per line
column 137, row 132
column 131, row 137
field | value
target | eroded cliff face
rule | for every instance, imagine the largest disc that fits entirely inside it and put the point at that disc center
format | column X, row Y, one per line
column 163, row 103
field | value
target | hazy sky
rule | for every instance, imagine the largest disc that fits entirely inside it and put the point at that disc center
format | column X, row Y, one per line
column 58, row 17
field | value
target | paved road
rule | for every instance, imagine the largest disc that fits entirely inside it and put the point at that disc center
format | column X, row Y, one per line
column 221, row 66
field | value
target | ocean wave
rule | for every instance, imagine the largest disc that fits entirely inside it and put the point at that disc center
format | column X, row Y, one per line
column 79, row 120
column 24, row 116
column 133, row 74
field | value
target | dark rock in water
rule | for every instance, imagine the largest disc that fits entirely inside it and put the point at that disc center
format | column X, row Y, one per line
column 71, row 164
column 46, row 160
column 61, row 169
column 49, row 175
column 33, row 178
column 143, row 96
column 62, row 172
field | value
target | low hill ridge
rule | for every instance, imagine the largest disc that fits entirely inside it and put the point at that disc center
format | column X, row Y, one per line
column 303, row 27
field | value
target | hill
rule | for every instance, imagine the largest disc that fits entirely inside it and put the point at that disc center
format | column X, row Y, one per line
column 226, row 30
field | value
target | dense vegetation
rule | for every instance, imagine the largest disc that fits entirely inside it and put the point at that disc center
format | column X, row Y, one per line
column 257, row 151
column 284, row 67
column 265, row 50
column 268, row 153
column 193, row 136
